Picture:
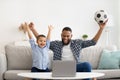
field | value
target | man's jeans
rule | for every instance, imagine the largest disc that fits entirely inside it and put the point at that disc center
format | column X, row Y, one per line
column 84, row 67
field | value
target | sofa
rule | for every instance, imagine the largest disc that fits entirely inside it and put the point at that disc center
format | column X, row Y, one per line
column 18, row 59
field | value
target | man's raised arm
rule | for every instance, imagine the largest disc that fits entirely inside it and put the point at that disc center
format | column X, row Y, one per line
column 34, row 31
column 97, row 36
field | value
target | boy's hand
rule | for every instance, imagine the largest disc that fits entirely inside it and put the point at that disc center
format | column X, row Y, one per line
column 50, row 27
column 31, row 25
column 26, row 26
column 23, row 27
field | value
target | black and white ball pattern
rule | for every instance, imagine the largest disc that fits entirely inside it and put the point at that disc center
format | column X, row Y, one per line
column 101, row 16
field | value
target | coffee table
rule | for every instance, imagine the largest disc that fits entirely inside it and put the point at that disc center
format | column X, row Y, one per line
column 48, row 75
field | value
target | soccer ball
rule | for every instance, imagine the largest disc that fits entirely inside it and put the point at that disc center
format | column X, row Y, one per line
column 101, row 16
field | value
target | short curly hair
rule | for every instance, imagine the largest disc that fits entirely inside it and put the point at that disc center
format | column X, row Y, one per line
column 67, row 29
column 41, row 35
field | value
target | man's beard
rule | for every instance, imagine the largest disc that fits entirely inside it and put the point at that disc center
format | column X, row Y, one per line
column 66, row 43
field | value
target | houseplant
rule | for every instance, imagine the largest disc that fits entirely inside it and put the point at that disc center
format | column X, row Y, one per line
column 84, row 36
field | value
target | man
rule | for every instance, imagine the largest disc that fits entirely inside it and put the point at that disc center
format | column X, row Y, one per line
column 69, row 49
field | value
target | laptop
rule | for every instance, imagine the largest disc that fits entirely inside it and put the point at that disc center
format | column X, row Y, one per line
column 63, row 68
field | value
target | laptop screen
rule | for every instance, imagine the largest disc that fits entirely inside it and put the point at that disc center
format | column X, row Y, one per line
column 63, row 68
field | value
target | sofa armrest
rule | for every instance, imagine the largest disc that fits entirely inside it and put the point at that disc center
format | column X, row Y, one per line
column 3, row 65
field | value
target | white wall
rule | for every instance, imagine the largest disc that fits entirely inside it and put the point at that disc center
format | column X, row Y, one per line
column 78, row 14
column 119, row 26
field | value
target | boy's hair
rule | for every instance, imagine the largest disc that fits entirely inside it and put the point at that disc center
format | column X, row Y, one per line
column 41, row 35
column 67, row 29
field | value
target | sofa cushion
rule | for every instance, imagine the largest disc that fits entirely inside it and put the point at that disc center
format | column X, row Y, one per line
column 12, row 74
column 109, row 60
column 18, row 57
column 92, row 54
column 109, row 73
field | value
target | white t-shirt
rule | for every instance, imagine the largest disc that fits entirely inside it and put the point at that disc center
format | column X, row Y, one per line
column 67, row 53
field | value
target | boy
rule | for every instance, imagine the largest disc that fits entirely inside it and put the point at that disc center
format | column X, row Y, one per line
column 40, row 54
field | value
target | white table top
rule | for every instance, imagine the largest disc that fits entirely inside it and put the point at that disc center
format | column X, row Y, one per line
column 48, row 75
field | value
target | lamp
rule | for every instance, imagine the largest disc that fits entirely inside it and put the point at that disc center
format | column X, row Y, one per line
column 109, row 25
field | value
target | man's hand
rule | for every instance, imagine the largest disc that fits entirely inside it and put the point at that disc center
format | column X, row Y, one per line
column 31, row 25
column 32, row 28
column 97, row 36
column 102, row 25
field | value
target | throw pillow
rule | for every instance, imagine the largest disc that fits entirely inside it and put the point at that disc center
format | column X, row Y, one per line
column 109, row 60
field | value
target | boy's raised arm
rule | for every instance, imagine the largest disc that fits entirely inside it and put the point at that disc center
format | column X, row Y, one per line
column 28, row 31
column 50, row 27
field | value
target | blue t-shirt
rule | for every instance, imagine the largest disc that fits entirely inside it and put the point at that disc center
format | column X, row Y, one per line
column 40, row 56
